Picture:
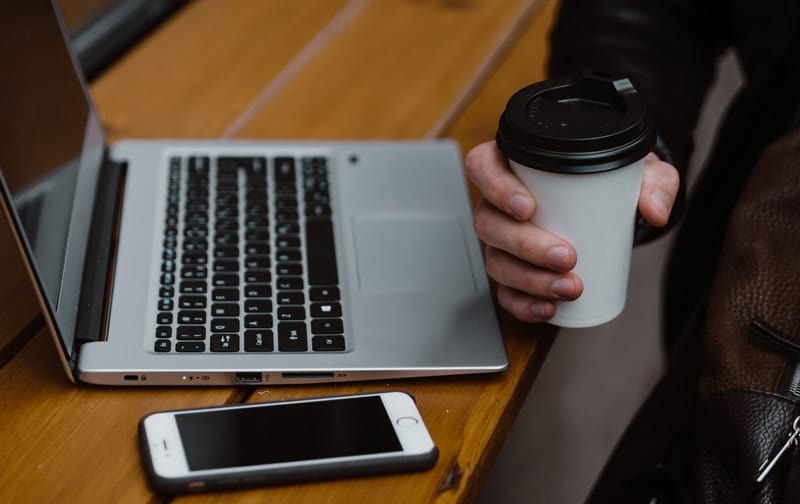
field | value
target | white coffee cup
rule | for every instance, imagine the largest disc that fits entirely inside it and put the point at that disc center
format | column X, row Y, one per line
column 578, row 144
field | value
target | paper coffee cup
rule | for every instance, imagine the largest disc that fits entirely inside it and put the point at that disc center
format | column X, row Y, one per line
column 578, row 145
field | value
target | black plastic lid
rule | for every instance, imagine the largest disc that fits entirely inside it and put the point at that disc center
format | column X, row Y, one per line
column 583, row 124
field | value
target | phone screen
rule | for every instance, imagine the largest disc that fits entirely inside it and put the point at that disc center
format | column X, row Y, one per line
column 286, row 433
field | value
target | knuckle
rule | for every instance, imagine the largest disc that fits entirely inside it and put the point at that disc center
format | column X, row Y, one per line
column 527, row 248
column 492, row 266
column 480, row 222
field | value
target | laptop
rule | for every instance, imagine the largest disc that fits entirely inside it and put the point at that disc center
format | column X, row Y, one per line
column 232, row 262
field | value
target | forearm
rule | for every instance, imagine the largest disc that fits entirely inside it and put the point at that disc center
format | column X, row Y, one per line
column 667, row 48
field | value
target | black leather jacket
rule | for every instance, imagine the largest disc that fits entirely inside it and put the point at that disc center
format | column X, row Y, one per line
column 669, row 48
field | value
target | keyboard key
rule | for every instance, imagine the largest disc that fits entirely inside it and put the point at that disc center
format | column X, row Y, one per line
column 287, row 241
column 285, row 202
column 163, row 332
column 225, row 295
column 195, row 232
column 195, row 245
column 288, row 216
column 226, row 238
column 198, row 258
column 198, row 165
column 166, row 291
column 225, row 310
column 168, row 266
column 324, row 293
column 190, row 346
column 284, row 255
column 289, row 269
column 291, row 313
column 226, row 266
column 287, row 228
column 226, row 251
column 326, row 310
column 226, row 226
column 193, row 333
column 327, row 326
column 257, row 290
column 228, row 325
column 258, row 306
column 257, row 321
column 256, row 222
column 290, row 283
column 165, row 304
column 191, row 317
column 258, row 340
column 164, row 318
column 167, row 279
column 292, row 337
column 192, row 302
column 327, row 343
column 194, row 272
column 321, row 258
column 193, row 287
column 257, row 262
column 318, row 210
column 257, row 276
column 226, row 280
column 224, row 342
column 285, row 188
column 291, row 298
column 256, row 235
column 162, row 345
column 257, row 248
column 284, row 169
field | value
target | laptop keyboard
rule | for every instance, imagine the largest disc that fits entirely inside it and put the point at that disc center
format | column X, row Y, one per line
column 233, row 274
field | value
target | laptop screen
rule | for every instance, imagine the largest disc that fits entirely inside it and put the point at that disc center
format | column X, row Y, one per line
column 46, row 122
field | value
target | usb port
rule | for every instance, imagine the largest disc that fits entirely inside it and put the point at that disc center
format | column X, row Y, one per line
column 131, row 377
column 248, row 378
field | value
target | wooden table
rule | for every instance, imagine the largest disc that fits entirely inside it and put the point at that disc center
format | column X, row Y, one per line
column 321, row 69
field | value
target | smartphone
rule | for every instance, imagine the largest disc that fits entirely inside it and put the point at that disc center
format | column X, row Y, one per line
column 283, row 442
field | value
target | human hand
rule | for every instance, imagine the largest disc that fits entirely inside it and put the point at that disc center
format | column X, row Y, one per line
column 532, row 266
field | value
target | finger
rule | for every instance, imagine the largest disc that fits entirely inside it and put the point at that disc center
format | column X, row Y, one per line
column 507, row 270
column 660, row 183
column 488, row 169
column 524, row 307
column 522, row 239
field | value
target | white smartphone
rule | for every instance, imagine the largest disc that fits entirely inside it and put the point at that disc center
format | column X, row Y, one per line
column 281, row 442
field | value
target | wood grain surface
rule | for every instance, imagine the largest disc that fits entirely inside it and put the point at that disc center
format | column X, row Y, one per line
column 212, row 70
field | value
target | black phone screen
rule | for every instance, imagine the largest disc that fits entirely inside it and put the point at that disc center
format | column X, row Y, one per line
column 286, row 433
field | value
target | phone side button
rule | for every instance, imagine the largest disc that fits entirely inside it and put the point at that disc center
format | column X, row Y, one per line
column 407, row 421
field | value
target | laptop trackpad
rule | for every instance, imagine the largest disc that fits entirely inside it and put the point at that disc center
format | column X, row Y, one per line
column 402, row 254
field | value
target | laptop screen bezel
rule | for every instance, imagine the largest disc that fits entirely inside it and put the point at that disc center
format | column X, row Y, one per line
column 62, row 318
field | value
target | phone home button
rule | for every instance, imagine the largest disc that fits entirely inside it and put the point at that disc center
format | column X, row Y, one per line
column 407, row 421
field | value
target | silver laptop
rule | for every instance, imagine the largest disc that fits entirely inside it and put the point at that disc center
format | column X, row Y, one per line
column 219, row 263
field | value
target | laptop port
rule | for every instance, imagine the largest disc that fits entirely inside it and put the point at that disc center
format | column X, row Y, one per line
column 131, row 377
column 307, row 376
column 247, row 378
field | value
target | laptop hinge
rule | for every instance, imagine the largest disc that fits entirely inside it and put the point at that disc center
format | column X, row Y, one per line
column 100, row 252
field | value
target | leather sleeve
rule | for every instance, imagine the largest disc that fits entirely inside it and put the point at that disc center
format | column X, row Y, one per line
column 667, row 48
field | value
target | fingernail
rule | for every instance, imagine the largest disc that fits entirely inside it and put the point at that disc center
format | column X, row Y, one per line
column 540, row 310
column 662, row 201
column 558, row 257
column 564, row 288
column 520, row 206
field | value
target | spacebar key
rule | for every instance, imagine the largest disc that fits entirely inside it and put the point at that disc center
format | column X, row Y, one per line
column 321, row 252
